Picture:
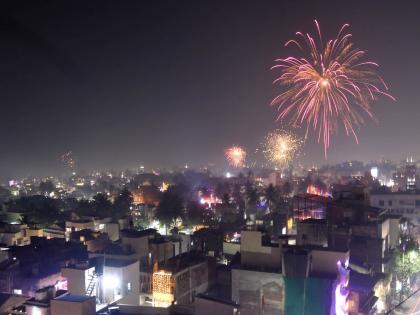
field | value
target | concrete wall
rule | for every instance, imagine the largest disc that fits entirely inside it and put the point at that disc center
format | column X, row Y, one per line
column 394, row 232
column 144, row 310
column 254, row 254
column 208, row 307
column 38, row 310
column 258, row 292
column 60, row 307
column 191, row 281
column 126, row 284
column 326, row 261
column 400, row 204
column 76, row 279
column 312, row 234
column 140, row 245
column 113, row 231
column 231, row 248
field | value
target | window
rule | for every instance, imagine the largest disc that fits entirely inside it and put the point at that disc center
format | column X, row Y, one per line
column 389, row 202
column 417, row 202
column 128, row 287
column 381, row 203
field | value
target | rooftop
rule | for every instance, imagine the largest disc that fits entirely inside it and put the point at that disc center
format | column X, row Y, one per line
column 136, row 234
column 183, row 261
column 118, row 262
column 74, row 298
column 217, row 299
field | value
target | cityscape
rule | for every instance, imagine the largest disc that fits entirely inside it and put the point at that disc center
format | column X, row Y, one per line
column 200, row 158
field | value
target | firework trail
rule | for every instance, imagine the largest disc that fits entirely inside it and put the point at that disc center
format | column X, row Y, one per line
column 236, row 156
column 329, row 85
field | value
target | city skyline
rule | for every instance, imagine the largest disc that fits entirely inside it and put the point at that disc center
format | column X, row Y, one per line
column 165, row 84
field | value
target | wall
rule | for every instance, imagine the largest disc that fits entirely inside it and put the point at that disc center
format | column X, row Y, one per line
column 60, row 307
column 231, row 248
column 400, row 204
column 191, row 281
column 140, row 245
column 394, row 232
column 75, row 280
column 113, row 231
column 36, row 310
column 312, row 234
column 326, row 261
column 121, row 276
column 254, row 254
column 208, row 307
column 258, row 292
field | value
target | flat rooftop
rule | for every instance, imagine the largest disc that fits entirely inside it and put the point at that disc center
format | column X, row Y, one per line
column 136, row 234
column 183, row 261
column 74, row 298
column 217, row 300
column 118, row 262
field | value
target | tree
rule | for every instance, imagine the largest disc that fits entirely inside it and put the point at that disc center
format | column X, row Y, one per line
column 194, row 213
column 251, row 198
column 221, row 189
column 226, row 199
column 46, row 187
column 85, row 208
column 270, row 195
column 102, row 205
column 5, row 194
column 287, row 188
column 37, row 210
column 251, row 194
column 407, row 264
column 170, row 207
column 237, row 196
column 122, row 204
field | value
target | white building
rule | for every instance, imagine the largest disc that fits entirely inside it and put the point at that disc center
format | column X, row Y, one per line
column 406, row 204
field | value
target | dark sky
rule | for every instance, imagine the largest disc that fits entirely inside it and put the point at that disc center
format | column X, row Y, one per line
column 163, row 83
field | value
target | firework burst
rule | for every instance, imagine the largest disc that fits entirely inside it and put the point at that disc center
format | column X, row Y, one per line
column 236, row 156
column 328, row 86
column 281, row 147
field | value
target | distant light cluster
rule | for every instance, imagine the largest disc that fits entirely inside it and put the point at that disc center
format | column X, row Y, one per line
column 68, row 160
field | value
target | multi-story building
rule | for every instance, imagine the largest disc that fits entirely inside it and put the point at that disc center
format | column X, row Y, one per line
column 405, row 204
column 179, row 279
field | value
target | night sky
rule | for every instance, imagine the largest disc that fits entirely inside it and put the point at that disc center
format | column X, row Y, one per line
column 164, row 83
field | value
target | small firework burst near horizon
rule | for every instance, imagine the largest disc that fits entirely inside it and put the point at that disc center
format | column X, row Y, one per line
column 327, row 85
column 281, row 147
column 236, row 156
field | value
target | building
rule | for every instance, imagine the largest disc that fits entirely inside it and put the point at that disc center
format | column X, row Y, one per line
column 208, row 305
column 121, row 281
column 69, row 304
column 405, row 204
column 180, row 278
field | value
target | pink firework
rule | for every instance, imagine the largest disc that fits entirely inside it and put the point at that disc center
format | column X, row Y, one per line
column 329, row 85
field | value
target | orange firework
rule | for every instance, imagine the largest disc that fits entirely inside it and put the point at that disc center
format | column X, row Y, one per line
column 236, row 156
column 328, row 86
